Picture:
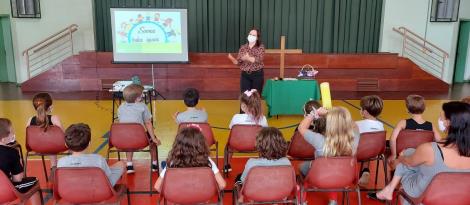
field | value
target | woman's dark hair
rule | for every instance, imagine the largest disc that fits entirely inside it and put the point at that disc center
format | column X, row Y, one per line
column 258, row 36
column 271, row 144
column 189, row 150
column 42, row 102
column 458, row 133
column 191, row 97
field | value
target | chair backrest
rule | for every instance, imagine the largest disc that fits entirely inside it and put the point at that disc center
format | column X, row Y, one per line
column 332, row 173
column 300, row 149
column 243, row 137
column 413, row 138
column 448, row 188
column 128, row 136
column 371, row 144
column 51, row 141
column 82, row 185
column 269, row 183
column 7, row 190
column 205, row 129
column 189, row 185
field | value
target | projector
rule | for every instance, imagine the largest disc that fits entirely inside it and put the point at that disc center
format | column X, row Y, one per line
column 120, row 85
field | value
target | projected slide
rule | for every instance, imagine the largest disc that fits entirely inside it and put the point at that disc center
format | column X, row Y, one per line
column 149, row 35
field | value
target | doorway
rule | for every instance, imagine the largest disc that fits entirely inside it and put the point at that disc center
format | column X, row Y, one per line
column 7, row 59
column 462, row 62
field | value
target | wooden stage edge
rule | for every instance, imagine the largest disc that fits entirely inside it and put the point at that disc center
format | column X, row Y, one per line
column 214, row 73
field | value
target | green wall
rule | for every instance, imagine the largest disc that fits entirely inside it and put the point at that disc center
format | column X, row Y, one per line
column 7, row 59
column 316, row 26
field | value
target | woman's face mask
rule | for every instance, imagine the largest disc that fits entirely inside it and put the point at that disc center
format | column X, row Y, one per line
column 442, row 123
column 252, row 38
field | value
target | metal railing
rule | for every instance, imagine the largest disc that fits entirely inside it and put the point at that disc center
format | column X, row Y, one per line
column 422, row 52
column 49, row 52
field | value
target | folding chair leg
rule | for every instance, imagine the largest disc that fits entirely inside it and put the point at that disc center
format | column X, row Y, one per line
column 347, row 199
column 344, row 197
column 217, row 154
column 44, row 168
column 151, row 174
column 359, row 201
column 384, row 162
column 377, row 164
column 128, row 196
column 226, row 161
column 41, row 197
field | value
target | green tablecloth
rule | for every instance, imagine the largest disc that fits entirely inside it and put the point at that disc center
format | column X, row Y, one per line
column 288, row 96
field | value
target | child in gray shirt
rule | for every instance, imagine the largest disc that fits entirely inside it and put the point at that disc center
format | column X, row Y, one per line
column 77, row 139
column 192, row 114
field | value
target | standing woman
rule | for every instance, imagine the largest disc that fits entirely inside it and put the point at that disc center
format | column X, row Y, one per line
column 250, row 59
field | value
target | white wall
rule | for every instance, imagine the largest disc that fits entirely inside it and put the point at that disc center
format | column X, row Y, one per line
column 414, row 15
column 55, row 16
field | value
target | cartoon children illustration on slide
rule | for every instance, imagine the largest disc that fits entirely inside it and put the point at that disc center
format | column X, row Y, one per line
column 157, row 18
column 140, row 18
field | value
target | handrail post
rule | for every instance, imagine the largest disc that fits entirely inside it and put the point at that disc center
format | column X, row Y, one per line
column 27, row 65
column 404, row 44
column 71, row 39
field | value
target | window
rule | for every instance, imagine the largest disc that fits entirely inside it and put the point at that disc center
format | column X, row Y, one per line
column 25, row 9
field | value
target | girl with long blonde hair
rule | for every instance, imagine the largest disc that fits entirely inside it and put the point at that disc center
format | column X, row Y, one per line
column 341, row 137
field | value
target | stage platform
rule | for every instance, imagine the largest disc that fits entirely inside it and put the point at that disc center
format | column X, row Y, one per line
column 217, row 78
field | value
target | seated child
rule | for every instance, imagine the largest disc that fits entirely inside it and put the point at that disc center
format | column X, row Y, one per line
column 253, row 113
column 42, row 103
column 134, row 111
column 415, row 106
column 190, row 150
column 192, row 114
column 371, row 107
column 77, row 139
column 10, row 162
column 272, row 148
column 341, row 137
column 318, row 125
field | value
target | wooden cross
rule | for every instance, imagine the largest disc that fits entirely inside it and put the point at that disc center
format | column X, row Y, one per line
column 283, row 52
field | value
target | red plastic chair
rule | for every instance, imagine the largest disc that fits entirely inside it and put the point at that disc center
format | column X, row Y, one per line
column 208, row 135
column 412, row 139
column 299, row 149
column 242, row 139
column 372, row 147
column 10, row 195
column 86, row 185
column 42, row 143
column 268, row 184
column 129, row 137
column 450, row 188
column 195, row 185
column 332, row 174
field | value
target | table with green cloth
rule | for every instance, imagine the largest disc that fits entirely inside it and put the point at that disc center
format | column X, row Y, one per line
column 287, row 97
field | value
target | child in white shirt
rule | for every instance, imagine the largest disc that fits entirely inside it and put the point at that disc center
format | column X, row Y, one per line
column 371, row 107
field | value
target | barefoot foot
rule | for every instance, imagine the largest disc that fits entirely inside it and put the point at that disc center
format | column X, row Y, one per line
column 385, row 194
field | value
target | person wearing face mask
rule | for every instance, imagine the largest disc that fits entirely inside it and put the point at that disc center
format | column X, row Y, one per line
column 415, row 168
column 250, row 59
